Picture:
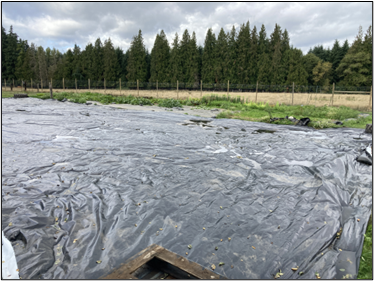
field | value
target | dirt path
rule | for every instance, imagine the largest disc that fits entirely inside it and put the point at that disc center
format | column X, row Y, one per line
column 186, row 110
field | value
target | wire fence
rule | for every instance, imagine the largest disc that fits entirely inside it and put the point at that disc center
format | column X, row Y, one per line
column 180, row 86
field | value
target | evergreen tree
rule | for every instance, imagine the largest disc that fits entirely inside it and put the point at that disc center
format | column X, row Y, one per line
column 264, row 66
column 137, row 61
column 122, row 62
column 4, row 44
column 221, row 53
column 97, row 62
column 68, row 65
column 276, row 69
column 87, row 61
column 111, row 65
column 208, row 59
column 175, row 61
column 244, row 44
column 184, row 52
column 160, row 59
column 296, row 73
column 194, row 62
column 232, row 56
column 148, row 64
column 21, row 68
column 42, row 65
column 10, row 54
column 253, row 56
column 336, row 56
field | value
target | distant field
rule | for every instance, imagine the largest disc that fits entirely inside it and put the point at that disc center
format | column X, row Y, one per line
column 349, row 100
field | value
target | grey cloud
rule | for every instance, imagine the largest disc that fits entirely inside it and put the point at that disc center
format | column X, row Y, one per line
column 308, row 23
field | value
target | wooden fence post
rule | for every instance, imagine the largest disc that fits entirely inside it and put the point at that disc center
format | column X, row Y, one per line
column 41, row 84
column 120, row 88
column 256, row 91
column 157, row 87
column 37, row 87
column 201, row 88
column 25, row 85
column 177, row 91
column 13, row 83
column 63, row 83
column 104, row 86
column 333, row 91
column 371, row 96
column 31, row 84
column 89, row 84
column 228, row 88
column 51, row 83
column 50, row 89
column 5, row 83
column 137, row 85
column 293, row 88
column 76, row 88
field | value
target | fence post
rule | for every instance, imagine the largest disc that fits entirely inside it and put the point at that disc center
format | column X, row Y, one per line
column 51, row 83
column 371, row 96
column 31, row 84
column 37, row 89
column 50, row 89
column 201, row 88
column 293, row 90
column 157, row 87
column 41, row 84
column 137, row 85
column 228, row 88
column 76, row 89
column 177, row 91
column 120, row 88
column 333, row 92
column 63, row 83
column 25, row 86
column 5, row 83
column 89, row 84
column 13, row 83
column 256, row 91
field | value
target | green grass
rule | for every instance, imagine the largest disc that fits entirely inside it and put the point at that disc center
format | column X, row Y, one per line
column 235, row 108
column 366, row 263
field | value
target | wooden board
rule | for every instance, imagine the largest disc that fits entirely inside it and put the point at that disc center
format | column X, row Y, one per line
column 127, row 269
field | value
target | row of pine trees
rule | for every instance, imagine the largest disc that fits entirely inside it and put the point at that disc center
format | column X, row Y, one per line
column 242, row 56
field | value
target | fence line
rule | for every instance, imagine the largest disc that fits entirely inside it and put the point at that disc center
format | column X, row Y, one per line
column 285, row 93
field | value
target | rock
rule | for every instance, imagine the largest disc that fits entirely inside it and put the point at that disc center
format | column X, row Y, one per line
column 369, row 128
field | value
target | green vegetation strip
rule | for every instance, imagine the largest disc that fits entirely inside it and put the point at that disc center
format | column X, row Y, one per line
column 238, row 109
column 235, row 108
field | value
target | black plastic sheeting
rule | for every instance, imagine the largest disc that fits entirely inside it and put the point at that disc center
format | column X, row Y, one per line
column 281, row 193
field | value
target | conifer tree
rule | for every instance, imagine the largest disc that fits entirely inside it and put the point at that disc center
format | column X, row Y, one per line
column 221, row 53
column 253, row 57
column 310, row 61
column 175, row 61
column 244, row 44
column 21, row 69
column 137, row 61
column 10, row 54
column 111, row 64
column 194, row 62
column 232, row 56
column 209, row 60
column 296, row 73
column 68, row 65
column 4, row 44
column 160, row 59
column 87, row 61
column 42, row 64
column 97, row 61
column 122, row 62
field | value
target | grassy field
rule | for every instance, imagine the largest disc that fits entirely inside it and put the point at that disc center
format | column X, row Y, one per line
column 354, row 101
column 235, row 108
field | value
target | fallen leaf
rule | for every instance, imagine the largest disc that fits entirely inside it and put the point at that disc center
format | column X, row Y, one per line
column 186, row 253
column 229, row 239
column 56, row 218
column 17, row 270
column 220, row 207
column 358, row 219
column 254, row 247
column 136, row 225
column 213, row 267
column 103, row 249
column 221, row 263
column 342, row 269
column 190, row 246
column 75, row 240
column 176, row 226
column 340, row 250
column 232, row 266
column 98, row 261
column 160, row 228
column 221, row 240
column 270, row 211
column 294, row 268
column 203, row 228
column 216, row 248
column 10, row 224
column 301, row 273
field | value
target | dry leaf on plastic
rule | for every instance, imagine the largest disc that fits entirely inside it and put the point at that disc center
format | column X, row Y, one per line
column 160, row 228
column 98, row 261
column 176, row 226
column 10, row 224
column 213, row 267
column 102, row 248
column 221, row 263
column 75, row 240
column 189, row 246
column 136, row 225
column 220, row 207
column 294, row 268
column 186, row 253
column 229, row 239
column 221, row 240
column 254, row 247
column 203, row 228
column 216, row 248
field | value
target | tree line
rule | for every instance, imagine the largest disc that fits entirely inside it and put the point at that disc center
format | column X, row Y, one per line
column 242, row 56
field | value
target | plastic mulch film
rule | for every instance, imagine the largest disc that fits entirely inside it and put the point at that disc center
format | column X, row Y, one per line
column 84, row 188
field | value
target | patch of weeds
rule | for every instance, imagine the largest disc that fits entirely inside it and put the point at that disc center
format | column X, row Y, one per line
column 169, row 103
column 366, row 263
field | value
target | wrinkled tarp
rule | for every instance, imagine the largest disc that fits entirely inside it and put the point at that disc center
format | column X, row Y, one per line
column 281, row 193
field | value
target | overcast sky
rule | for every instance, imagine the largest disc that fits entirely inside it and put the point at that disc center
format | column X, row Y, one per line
column 61, row 25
